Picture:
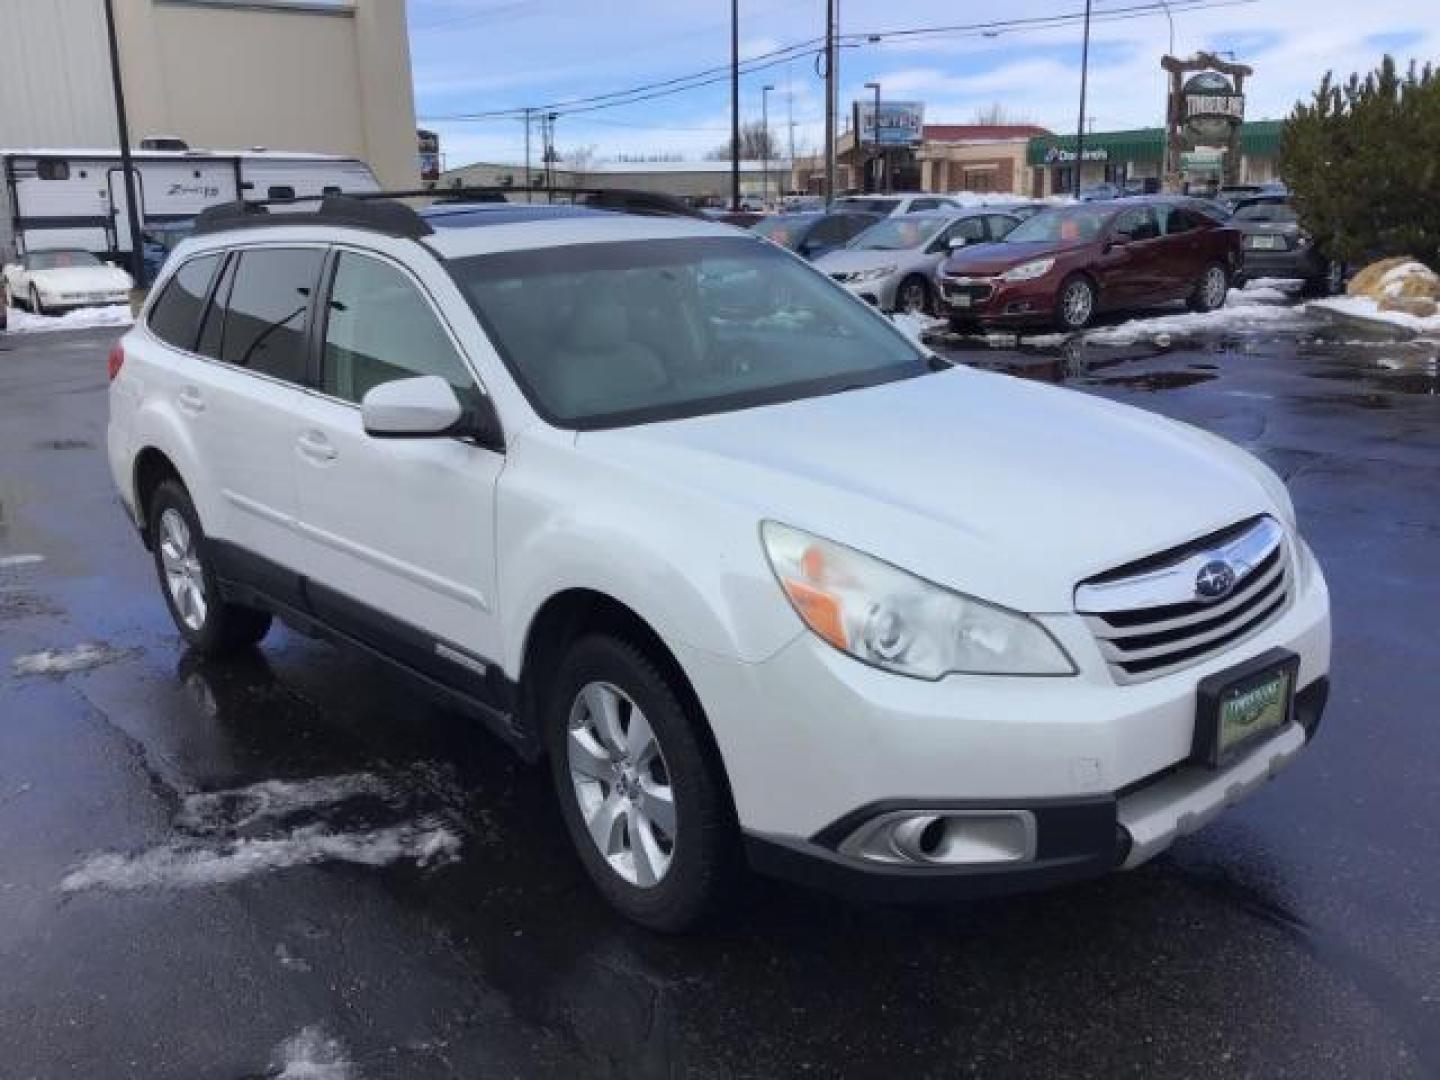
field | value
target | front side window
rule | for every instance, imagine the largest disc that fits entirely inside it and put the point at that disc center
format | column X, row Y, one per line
column 1075, row 223
column 902, row 233
column 266, row 311
column 175, row 316
column 1138, row 224
column 380, row 329
column 600, row 335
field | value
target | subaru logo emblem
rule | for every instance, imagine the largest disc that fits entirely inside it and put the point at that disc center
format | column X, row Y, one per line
column 1215, row 580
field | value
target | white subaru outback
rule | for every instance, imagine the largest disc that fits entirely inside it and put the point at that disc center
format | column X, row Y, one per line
column 765, row 581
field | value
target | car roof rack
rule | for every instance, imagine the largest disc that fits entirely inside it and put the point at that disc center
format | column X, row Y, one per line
column 380, row 211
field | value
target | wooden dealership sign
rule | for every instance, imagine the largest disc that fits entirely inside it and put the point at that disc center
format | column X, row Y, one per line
column 1205, row 110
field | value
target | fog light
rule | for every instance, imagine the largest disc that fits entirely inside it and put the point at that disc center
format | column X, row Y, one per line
column 945, row 838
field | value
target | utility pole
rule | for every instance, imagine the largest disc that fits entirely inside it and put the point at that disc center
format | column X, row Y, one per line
column 529, row 177
column 831, row 16
column 127, row 164
column 1080, row 127
column 765, row 127
column 735, row 105
column 790, row 121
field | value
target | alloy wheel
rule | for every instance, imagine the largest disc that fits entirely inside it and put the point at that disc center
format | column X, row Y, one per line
column 1335, row 277
column 1213, row 288
column 184, row 576
column 622, row 783
column 1077, row 303
column 913, row 300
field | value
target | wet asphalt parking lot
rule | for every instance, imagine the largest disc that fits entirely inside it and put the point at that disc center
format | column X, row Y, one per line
column 291, row 866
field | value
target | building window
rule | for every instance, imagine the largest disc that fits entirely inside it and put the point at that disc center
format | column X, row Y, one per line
column 280, row 191
column 979, row 180
column 1116, row 174
column 53, row 169
column 1063, row 180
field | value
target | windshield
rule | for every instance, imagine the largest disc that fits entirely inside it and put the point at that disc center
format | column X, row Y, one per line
column 785, row 230
column 899, row 233
column 59, row 260
column 1073, row 223
column 1276, row 212
column 873, row 206
column 602, row 335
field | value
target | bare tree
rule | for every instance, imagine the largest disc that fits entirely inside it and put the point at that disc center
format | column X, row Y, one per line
column 757, row 143
column 996, row 114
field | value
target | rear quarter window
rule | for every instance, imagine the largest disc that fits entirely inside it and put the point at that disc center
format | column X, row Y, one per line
column 175, row 316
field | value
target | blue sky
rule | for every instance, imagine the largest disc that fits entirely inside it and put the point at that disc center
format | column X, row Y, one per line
column 479, row 55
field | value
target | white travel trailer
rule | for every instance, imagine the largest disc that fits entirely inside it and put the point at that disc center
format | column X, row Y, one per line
column 76, row 198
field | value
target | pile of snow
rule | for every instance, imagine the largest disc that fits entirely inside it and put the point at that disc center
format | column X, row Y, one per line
column 23, row 322
column 1245, row 310
column 311, row 1054
column 916, row 326
column 1364, row 309
column 82, row 657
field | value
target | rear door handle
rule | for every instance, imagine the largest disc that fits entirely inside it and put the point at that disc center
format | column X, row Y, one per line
column 190, row 401
column 315, row 446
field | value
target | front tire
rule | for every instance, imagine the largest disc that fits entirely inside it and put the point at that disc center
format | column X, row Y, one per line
column 1330, row 283
column 37, row 306
column 208, row 624
column 1075, row 304
column 913, row 296
column 1211, row 290
column 642, row 795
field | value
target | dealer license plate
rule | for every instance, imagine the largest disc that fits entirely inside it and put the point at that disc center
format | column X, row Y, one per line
column 1244, row 705
column 960, row 299
column 1267, row 243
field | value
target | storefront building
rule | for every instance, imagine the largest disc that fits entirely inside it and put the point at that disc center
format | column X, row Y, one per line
column 1118, row 157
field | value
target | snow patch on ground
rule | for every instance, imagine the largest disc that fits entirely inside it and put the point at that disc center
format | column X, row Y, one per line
column 915, row 326
column 1257, row 294
column 1241, row 313
column 210, row 812
column 1365, row 309
column 23, row 322
column 82, row 657
column 7, row 561
column 311, row 1054
column 187, row 864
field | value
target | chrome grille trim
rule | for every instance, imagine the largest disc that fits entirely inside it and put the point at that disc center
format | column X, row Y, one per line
column 1168, row 627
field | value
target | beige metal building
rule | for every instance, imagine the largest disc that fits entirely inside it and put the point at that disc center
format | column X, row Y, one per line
column 328, row 76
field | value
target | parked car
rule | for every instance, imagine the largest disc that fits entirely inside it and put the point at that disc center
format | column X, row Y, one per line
column 757, row 577
column 1066, row 265
column 1101, row 192
column 816, row 234
column 913, row 203
column 51, row 281
column 158, row 240
column 1274, row 244
column 892, row 264
column 798, row 204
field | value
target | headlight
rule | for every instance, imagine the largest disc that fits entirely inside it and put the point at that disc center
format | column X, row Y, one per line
column 1029, row 271
column 894, row 620
column 874, row 275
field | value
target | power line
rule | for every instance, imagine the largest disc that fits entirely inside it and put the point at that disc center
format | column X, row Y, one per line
column 711, row 76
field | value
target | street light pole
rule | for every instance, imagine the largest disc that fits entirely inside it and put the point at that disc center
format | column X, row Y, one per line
column 127, row 163
column 529, row 178
column 1080, row 126
column 1170, row 17
column 881, row 180
column 765, row 144
column 735, row 105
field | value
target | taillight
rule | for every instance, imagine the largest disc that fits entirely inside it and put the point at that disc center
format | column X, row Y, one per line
column 116, row 360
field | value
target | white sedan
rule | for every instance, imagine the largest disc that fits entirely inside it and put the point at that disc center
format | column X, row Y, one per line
column 46, row 281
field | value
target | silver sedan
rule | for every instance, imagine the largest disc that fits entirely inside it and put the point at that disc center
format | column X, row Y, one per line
column 892, row 264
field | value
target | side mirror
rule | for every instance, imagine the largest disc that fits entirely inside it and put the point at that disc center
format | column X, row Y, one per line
column 426, row 407
column 1118, row 240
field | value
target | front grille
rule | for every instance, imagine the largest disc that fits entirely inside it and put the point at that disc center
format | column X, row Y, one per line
column 1149, row 619
column 976, row 293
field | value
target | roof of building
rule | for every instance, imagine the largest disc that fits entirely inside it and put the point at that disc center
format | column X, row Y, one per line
column 981, row 132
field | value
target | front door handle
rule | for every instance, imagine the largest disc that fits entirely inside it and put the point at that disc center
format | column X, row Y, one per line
column 315, row 446
column 190, row 401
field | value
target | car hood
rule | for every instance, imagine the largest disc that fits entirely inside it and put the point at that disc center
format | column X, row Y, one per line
column 988, row 260
column 998, row 487
column 851, row 260
column 81, row 279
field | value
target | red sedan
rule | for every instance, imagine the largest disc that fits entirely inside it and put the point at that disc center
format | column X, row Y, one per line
column 1064, row 266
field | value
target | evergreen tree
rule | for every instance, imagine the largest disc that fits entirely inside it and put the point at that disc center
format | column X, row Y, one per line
column 1362, row 159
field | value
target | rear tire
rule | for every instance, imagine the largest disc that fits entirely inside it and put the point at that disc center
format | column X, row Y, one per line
column 643, row 781
column 1330, row 283
column 208, row 624
column 1211, row 290
column 1075, row 304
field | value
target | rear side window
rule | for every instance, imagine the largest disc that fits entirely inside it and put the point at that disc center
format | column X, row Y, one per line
column 262, row 323
column 175, row 316
column 380, row 329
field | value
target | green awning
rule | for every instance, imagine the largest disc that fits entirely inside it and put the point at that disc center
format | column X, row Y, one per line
column 1258, row 138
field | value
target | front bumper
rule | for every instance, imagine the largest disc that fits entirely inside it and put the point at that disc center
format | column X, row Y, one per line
column 814, row 742
column 878, row 293
column 991, row 302
column 61, row 303
column 1306, row 264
